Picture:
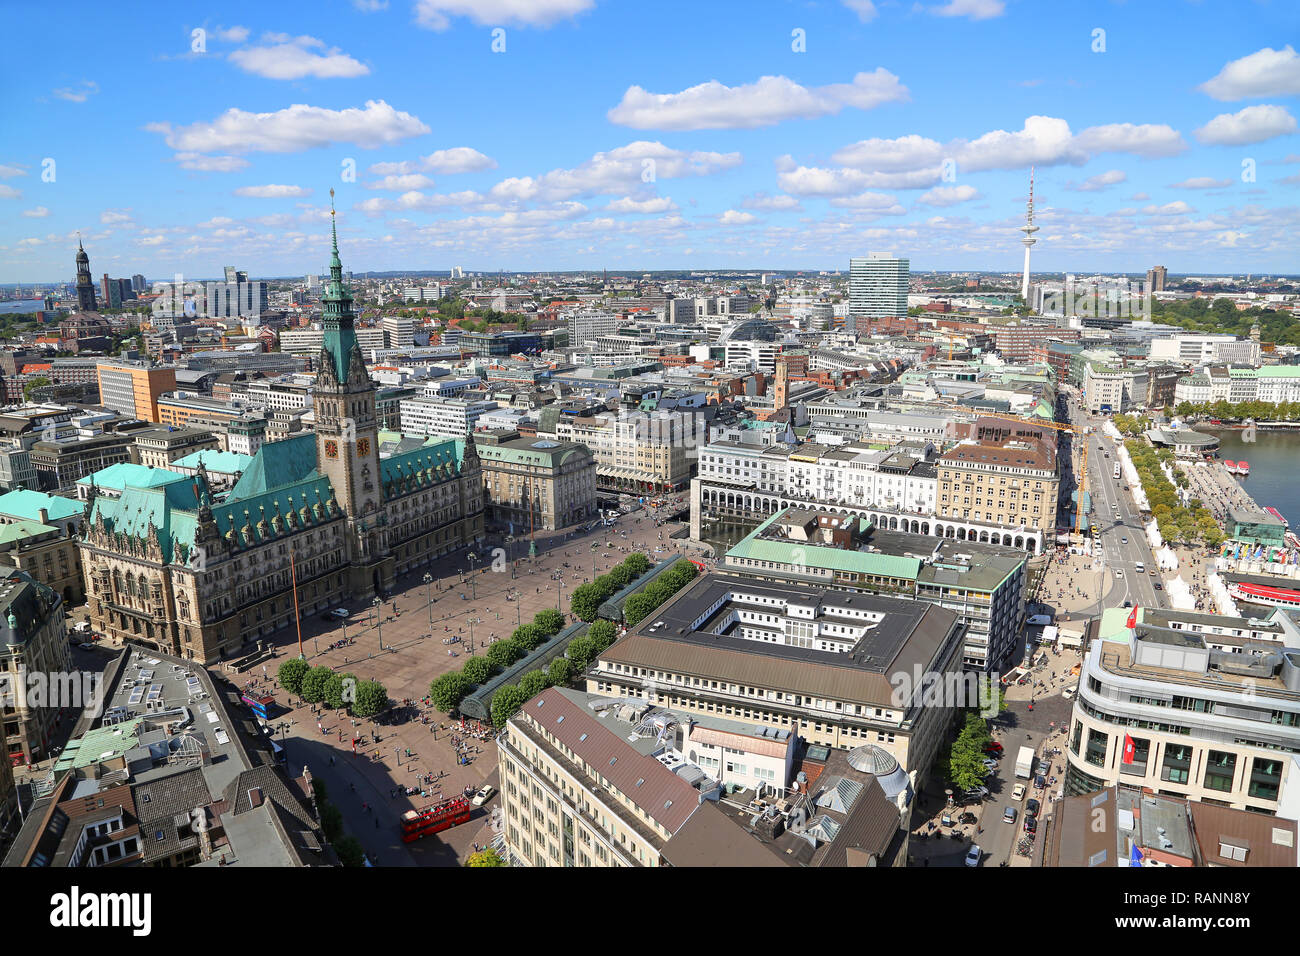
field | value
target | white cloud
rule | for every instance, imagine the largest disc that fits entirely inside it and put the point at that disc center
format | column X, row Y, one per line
column 733, row 217
column 1265, row 72
column 296, row 128
column 157, row 240
column 1254, row 124
column 110, row 216
column 9, row 172
column 948, row 195
column 865, row 9
column 1176, row 208
column 1097, row 183
column 627, row 204
column 210, row 164
column 975, row 9
column 1201, row 182
column 292, row 59
column 619, row 171
column 272, row 191
column 437, row 14
column 370, row 6
column 1140, row 197
column 40, row 212
column 769, row 100
column 1151, row 141
column 416, row 201
column 881, row 204
column 458, row 159
column 8, row 192
column 402, row 182
column 79, row 94
column 763, row 201
column 891, row 155
column 231, row 34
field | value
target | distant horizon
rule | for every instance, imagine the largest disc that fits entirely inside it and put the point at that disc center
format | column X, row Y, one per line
column 816, row 132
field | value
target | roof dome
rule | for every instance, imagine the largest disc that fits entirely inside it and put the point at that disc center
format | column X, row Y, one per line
column 872, row 759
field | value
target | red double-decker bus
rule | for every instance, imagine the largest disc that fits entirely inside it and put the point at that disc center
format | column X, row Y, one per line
column 432, row 819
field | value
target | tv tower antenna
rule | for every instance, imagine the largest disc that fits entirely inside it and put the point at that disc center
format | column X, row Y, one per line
column 1028, row 229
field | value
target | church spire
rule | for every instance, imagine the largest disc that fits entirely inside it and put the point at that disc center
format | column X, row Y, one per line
column 340, row 332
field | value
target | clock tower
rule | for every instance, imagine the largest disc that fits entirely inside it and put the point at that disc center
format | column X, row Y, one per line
column 347, row 434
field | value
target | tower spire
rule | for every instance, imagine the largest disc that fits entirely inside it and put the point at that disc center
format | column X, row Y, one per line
column 1028, row 229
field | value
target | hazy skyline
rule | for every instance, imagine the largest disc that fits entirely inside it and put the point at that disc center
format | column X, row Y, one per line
column 673, row 136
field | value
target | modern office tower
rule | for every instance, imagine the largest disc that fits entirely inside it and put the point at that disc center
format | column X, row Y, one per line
column 1156, row 277
column 85, row 285
column 878, row 286
column 585, row 326
column 133, row 388
column 138, row 283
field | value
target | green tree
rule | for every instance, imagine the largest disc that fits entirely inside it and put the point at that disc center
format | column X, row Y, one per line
column 602, row 634
column 533, row 683
column 637, row 562
column 350, row 851
column 449, row 690
column 528, row 636
column 560, row 672
column 334, row 689
column 313, row 684
column 504, row 653
column 506, row 703
column 40, row 381
column 485, row 857
column 331, row 821
column 478, row 669
column 550, row 621
column 291, row 673
column 582, row 651
column 585, row 602
column 372, row 699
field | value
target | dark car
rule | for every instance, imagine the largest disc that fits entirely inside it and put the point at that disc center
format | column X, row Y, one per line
column 1032, row 807
column 1040, row 782
column 968, row 817
column 1031, row 824
column 1158, row 586
column 1128, row 603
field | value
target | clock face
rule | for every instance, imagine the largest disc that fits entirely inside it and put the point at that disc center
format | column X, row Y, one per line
column 363, row 447
column 331, row 449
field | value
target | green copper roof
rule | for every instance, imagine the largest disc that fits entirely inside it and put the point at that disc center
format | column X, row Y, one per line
column 443, row 455
column 25, row 503
column 277, row 464
column 18, row 530
column 819, row 556
column 340, row 332
column 124, row 474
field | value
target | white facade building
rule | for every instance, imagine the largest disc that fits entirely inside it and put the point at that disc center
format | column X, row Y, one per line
column 436, row 415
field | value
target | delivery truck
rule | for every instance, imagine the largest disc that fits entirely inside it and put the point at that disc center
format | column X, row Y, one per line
column 1025, row 762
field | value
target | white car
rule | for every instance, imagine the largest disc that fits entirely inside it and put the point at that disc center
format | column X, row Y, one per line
column 484, row 795
column 1119, row 572
column 1018, row 793
column 339, row 612
column 973, row 855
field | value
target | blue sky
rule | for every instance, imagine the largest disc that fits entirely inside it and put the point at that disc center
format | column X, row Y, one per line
column 631, row 135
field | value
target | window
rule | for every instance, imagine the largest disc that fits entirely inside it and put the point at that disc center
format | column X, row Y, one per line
column 1265, row 777
column 1220, row 770
column 1178, row 761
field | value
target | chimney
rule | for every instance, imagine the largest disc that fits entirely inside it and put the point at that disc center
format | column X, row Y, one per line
column 44, row 515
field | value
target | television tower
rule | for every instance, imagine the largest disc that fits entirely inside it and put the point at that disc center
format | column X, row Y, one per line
column 1028, row 229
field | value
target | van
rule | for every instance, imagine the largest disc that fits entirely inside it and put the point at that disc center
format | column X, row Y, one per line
column 1139, row 567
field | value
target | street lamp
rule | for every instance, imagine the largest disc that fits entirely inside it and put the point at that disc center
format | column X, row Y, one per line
column 559, row 597
column 379, row 621
column 428, row 579
column 471, row 622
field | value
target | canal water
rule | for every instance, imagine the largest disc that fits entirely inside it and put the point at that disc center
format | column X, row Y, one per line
column 1274, row 467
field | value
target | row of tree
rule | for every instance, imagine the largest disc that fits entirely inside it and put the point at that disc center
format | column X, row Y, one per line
column 348, row 847
column 581, row 652
column 1237, row 411
column 643, row 603
column 321, row 685
column 1176, row 522
column 586, row 599
column 1131, row 424
column 451, row 688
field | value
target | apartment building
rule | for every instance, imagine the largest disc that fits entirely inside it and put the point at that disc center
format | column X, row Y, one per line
column 536, row 484
column 1012, row 484
column 984, row 584
column 134, row 388
column 639, row 451
column 1200, row 706
column 1109, row 389
column 442, row 415
column 33, row 643
column 1018, row 344
column 159, row 447
column 1203, row 349
column 837, row 668
column 399, row 333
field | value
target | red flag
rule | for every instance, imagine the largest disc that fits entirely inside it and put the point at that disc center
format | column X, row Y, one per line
column 1128, row 749
column 1132, row 619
